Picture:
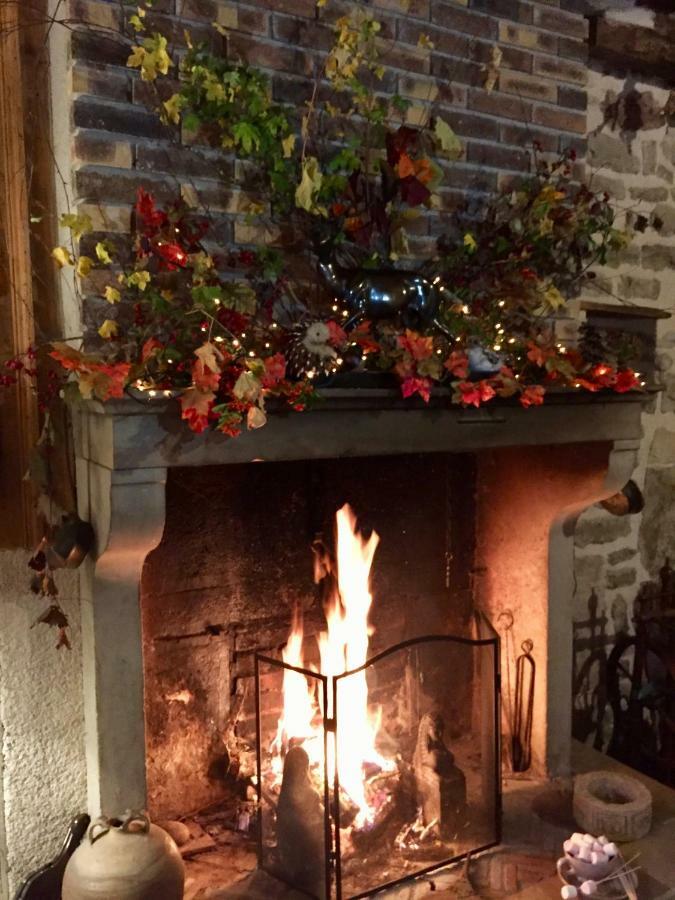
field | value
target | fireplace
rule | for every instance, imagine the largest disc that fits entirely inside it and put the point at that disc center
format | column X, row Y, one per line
column 357, row 785
column 222, row 541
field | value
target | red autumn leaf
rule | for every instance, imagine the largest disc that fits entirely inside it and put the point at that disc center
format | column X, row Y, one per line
column 234, row 321
column 423, row 170
column 603, row 374
column 458, row 364
column 204, row 378
column 275, row 370
column 150, row 348
column 171, row 253
column 196, row 408
column 337, row 334
column 363, row 338
column 626, row 380
column 416, row 345
column 540, row 355
column 117, row 376
column 473, row 393
column 67, row 357
column 399, row 142
column 152, row 218
column 405, row 166
column 533, row 395
column 592, row 386
column 413, row 192
column 413, row 385
column 405, row 368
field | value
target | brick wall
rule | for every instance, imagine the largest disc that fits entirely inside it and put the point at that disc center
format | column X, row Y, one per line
column 118, row 143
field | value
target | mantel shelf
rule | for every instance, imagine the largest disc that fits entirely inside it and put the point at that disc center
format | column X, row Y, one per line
column 134, row 434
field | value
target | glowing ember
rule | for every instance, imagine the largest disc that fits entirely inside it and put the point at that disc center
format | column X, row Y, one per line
column 344, row 647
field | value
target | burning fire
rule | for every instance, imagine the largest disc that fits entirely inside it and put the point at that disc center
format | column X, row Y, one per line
column 343, row 648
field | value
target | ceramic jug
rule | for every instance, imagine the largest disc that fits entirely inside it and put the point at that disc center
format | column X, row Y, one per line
column 125, row 859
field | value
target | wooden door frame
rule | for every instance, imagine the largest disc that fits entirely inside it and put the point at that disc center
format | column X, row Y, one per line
column 19, row 418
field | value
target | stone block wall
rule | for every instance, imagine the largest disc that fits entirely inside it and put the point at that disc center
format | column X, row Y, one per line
column 614, row 556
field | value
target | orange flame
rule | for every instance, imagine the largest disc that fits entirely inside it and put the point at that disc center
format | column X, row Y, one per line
column 344, row 647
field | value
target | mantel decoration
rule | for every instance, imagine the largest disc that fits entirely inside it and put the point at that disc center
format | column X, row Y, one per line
column 336, row 286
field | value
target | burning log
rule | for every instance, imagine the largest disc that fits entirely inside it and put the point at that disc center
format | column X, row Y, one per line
column 301, row 827
column 441, row 785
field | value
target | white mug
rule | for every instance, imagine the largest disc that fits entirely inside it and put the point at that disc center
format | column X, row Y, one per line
column 571, row 869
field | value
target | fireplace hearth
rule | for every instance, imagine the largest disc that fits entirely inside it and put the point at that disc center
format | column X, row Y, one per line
column 430, row 806
column 358, row 787
column 476, row 517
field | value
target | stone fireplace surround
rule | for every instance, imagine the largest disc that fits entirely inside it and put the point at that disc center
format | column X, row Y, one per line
column 536, row 470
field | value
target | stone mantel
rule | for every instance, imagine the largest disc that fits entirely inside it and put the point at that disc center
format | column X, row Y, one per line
column 124, row 450
column 144, row 434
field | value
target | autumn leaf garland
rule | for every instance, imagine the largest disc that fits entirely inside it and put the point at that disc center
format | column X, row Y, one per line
column 179, row 322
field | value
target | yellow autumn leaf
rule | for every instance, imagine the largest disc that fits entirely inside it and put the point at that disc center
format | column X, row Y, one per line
column 77, row 224
column 470, row 242
column 173, row 107
column 108, row 329
column 151, row 57
column 209, row 355
column 255, row 418
column 447, row 138
column 424, row 42
column 549, row 194
column 220, row 28
column 62, row 256
column 112, row 295
column 491, row 69
column 247, row 387
column 288, row 145
column 309, row 187
column 136, row 22
column 139, row 279
column 102, row 254
column 553, row 299
column 84, row 266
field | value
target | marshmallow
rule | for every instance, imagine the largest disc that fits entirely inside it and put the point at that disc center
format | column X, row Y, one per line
column 603, row 840
column 571, row 848
column 588, row 839
column 598, row 847
column 599, row 859
column 568, row 892
column 588, row 888
column 585, row 852
column 577, row 838
column 611, row 850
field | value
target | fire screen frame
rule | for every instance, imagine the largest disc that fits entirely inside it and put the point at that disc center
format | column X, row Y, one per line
column 332, row 790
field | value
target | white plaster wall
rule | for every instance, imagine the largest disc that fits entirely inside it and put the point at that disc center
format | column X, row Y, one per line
column 42, row 765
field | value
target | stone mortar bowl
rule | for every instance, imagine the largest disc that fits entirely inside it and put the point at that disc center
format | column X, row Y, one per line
column 612, row 804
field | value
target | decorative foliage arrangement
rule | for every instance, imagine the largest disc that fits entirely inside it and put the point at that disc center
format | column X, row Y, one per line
column 226, row 330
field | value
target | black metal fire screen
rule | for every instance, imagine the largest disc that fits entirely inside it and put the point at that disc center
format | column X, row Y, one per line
column 380, row 774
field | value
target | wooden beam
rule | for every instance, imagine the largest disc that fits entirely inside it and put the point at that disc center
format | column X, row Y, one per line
column 625, row 49
column 630, row 310
column 19, row 415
